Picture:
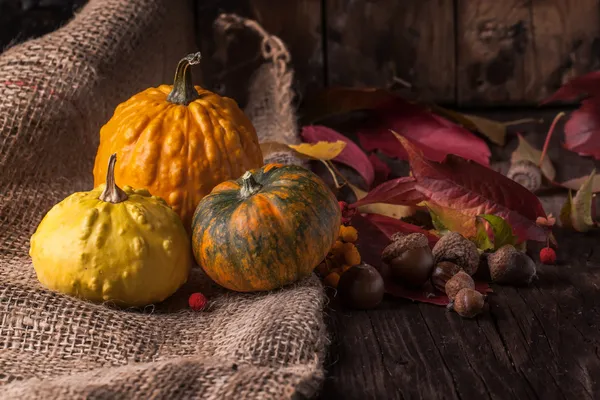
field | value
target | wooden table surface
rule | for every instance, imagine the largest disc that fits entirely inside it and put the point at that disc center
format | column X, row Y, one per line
column 536, row 342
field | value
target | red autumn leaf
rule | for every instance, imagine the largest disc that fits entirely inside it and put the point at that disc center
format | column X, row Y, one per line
column 371, row 242
column 427, row 296
column 401, row 191
column 340, row 100
column 582, row 130
column 389, row 226
column 436, row 136
column 472, row 189
column 588, row 84
column 352, row 155
column 382, row 170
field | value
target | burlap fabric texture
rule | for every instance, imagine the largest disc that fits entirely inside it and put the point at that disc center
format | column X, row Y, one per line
column 55, row 94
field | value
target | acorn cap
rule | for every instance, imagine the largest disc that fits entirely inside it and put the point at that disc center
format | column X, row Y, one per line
column 402, row 243
column 510, row 266
column 459, row 250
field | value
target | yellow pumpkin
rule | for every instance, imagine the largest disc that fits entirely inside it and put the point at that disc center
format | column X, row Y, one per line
column 178, row 142
column 109, row 244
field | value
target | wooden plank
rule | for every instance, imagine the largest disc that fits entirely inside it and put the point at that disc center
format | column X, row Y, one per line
column 539, row 342
column 494, row 51
column 536, row 342
column 229, row 60
column 566, row 42
column 371, row 42
column 521, row 51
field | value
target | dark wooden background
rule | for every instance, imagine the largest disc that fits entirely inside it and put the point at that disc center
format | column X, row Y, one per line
column 455, row 52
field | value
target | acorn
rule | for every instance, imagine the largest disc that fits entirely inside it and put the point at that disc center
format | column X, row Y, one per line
column 457, row 249
column 526, row 173
column 510, row 266
column 409, row 258
column 468, row 303
column 458, row 282
column 442, row 272
column 361, row 287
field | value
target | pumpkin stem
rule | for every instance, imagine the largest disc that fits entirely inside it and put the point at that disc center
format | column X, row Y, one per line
column 112, row 193
column 183, row 91
column 249, row 185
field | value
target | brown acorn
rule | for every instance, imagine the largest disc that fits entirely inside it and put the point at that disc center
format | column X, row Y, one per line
column 508, row 265
column 409, row 258
column 442, row 272
column 458, row 282
column 468, row 303
column 457, row 249
column 361, row 287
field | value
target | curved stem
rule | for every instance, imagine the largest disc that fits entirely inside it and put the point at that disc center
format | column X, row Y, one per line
column 183, row 91
column 112, row 193
column 249, row 185
column 548, row 136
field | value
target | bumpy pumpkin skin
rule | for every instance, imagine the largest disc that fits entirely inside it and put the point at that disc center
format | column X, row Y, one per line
column 178, row 152
column 133, row 253
column 272, row 238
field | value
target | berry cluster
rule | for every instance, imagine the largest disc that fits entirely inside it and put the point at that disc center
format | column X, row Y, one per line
column 342, row 256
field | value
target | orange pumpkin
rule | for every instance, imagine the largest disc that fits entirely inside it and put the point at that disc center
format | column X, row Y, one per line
column 269, row 228
column 178, row 142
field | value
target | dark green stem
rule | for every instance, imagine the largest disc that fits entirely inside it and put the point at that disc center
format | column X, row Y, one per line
column 112, row 193
column 183, row 91
column 249, row 185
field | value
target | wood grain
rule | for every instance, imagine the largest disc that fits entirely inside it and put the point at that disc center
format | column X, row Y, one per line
column 536, row 342
column 371, row 42
column 230, row 59
column 540, row 342
column 521, row 51
column 495, row 56
column 566, row 42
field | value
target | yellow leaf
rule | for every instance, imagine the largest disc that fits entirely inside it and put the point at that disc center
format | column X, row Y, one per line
column 493, row 130
column 453, row 220
column 525, row 151
column 581, row 208
column 320, row 150
column 389, row 210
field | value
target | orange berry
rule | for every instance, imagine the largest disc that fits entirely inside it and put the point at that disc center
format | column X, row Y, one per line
column 348, row 234
column 332, row 279
column 337, row 252
column 337, row 247
column 351, row 254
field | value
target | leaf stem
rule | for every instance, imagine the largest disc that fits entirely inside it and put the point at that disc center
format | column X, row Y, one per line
column 549, row 135
column 334, row 172
column 522, row 121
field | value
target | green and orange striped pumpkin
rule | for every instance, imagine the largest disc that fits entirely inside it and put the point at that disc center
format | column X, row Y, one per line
column 265, row 230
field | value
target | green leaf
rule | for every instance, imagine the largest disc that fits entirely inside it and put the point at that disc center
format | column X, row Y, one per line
column 527, row 152
column 437, row 222
column 503, row 233
column 482, row 239
column 565, row 212
column 581, row 207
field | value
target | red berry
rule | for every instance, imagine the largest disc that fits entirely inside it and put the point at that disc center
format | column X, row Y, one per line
column 197, row 301
column 548, row 255
column 347, row 212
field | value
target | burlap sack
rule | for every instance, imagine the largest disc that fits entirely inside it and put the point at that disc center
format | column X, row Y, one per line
column 55, row 93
